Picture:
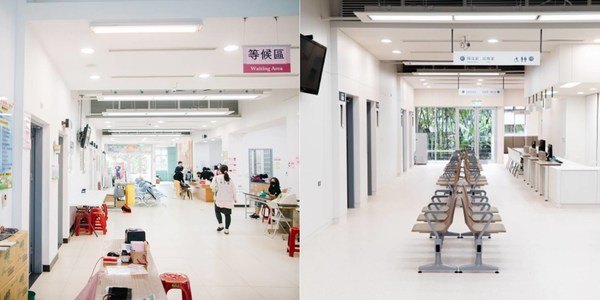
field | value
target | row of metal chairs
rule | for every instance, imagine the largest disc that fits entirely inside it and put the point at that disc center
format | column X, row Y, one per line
column 480, row 217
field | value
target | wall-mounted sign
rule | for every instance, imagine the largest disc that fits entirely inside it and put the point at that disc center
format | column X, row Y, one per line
column 497, row 58
column 479, row 92
column 267, row 59
column 476, row 102
column 6, row 144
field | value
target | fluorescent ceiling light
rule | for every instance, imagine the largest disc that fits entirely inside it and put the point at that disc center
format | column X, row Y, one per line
column 396, row 51
column 422, row 79
column 166, row 28
column 570, row 17
column 410, row 18
column 458, row 74
column 144, row 135
column 569, row 85
column 94, row 77
column 427, row 63
column 231, row 48
column 87, row 50
column 160, row 122
column 167, row 113
column 173, row 97
column 231, row 97
column 205, row 75
column 386, row 41
column 480, row 80
column 495, row 17
column 579, row 93
column 492, row 41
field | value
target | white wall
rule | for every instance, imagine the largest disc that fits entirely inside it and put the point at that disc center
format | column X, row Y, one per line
column 318, row 114
column 48, row 100
column 591, row 130
column 268, row 123
column 7, row 61
column 387, row 160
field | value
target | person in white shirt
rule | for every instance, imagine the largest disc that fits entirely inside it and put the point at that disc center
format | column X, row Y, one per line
column 224, row 189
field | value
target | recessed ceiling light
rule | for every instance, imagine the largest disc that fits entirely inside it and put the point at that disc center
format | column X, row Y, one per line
column 155, row 126
column 425, row 83
column 205, row 141
column 569, row 85
column 212, row 140
column 428, row 86
column 204, row 126
column 422, row 79
column 480, row 79
column 597, row 41
column 579, row 93
column 108, row 126
column 213, row 121
column 106, row 122
column 593, row 89
column 479, row 83
column 94, row 77
column 205, row 75
column 87, row 50
column 231, row 47
column 160, row 122
column 492, row 41
column 396, row 51
column 386, row 41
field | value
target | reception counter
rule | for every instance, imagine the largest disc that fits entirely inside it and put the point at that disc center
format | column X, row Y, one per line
column 573, row 183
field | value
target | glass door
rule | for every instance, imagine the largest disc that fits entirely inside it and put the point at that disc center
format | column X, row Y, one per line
column 476, row 131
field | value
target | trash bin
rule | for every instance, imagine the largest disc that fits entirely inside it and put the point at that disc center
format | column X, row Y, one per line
column 31, row 295
column 130, row 194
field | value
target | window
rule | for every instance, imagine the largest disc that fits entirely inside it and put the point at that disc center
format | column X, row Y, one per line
column 514, row 120
column 162, row 158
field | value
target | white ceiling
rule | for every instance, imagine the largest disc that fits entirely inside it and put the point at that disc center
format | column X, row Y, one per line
column 434, row 44
column 165, row 61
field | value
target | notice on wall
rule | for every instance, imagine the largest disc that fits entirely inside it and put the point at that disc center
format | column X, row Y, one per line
column 277, row 163
column 6, row 159
column 232, row 164
column 267, row 59
column 27, row 131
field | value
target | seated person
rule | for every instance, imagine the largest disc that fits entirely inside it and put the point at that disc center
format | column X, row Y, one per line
column 179, row 176
column 206, row 174
column 273, row 192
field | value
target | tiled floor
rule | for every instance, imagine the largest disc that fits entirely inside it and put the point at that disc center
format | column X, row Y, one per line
column 246, row 264
column 547, row 253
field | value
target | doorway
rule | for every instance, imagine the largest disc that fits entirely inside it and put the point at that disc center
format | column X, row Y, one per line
column 350, row 152
column 60, row 191
column 370, row 105
column 35, row 203
column 476, row 127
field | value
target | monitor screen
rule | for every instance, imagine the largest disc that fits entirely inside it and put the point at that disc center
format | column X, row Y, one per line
column 542, row 145
column 312, row 59
column 84, row 138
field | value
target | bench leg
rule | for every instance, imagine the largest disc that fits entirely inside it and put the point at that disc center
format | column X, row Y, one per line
column 478, row 266
column 438, row 266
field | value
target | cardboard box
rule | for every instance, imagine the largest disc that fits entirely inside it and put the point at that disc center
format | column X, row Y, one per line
column 139, row 257
column 120, row 203
column 18, row 286
column 14, row 259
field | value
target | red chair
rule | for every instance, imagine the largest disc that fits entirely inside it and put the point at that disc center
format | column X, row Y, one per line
column 82, row 220
column 265, row 213
column 177, row 281
column 98, row 219
column 292, row 246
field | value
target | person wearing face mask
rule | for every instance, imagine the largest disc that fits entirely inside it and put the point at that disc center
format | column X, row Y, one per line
column 273, row 192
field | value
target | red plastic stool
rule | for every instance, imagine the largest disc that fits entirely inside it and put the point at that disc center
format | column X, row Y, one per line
column 105, row 210
column 98, row 219
column 265, row 213
column 177, row 281
column 292, row 246
column 82, row 219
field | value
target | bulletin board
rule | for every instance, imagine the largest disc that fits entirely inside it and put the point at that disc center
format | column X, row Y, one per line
column 6, row 139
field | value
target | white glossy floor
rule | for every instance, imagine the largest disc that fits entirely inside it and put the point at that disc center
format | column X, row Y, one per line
column 547, row 252
column 245, row 264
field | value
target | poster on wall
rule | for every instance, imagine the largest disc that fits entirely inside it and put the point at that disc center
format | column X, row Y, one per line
column 277, row 163
column 6, row 159
column 232, row 164
column 27, row 131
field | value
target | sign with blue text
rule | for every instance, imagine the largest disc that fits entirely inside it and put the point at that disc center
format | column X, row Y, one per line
column 497, row 58
column 479, row 92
